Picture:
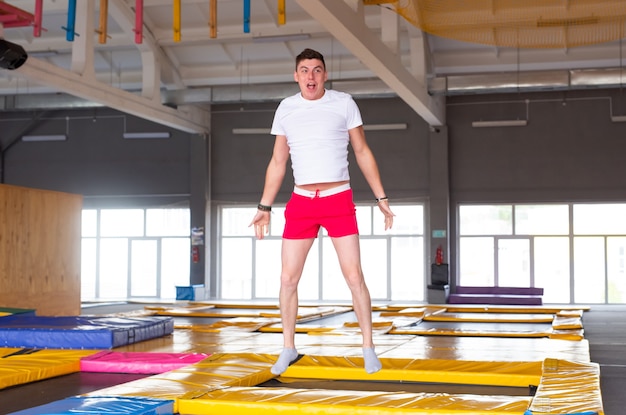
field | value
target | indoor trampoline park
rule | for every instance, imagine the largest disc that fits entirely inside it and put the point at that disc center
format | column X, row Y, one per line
column 203, row 202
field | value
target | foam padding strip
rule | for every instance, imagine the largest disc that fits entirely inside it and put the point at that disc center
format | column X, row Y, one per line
column 214, row 372
column 491, row 317
column 567, row 323
column 241, row 324
column 515, row 374
column 469, row 308
column 271, row 401
column 487, row 349
column 418, row 312
column 568, row 388
column 455, row 331
column 568, row 334
column 138, row 362
column 306, row 313
column 103, row 405
column 20, row 366
column 80, row 332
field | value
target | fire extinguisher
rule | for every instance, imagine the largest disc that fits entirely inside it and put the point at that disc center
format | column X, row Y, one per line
column 439, row 256
column 195, row 254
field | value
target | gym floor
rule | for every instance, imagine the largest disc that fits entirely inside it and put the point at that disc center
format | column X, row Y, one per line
column 604, row 329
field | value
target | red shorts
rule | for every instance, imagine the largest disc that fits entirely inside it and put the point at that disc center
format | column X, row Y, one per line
column 304, row 215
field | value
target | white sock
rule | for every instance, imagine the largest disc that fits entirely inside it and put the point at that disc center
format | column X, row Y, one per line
column 372, row 364
column 287, row 357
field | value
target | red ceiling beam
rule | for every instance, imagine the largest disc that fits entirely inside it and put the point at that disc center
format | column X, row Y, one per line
column 11, row 16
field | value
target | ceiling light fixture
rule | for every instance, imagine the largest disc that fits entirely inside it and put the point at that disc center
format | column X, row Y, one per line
column 147, row 135
column 501, row 123
column 281, row 38
column 46, row 137
column 505, row 123
column 385, row 127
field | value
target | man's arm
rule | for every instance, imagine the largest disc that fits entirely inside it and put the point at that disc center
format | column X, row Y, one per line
column 367, row 163
column 274, row 175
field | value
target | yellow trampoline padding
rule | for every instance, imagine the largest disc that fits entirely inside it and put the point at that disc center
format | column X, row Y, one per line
column 351, row 329
column 568, row 388
column 536, row 309
column 491, row 317
column 307, row 313
column 570, row 313
column 515, row 374
column 271, row 401
column 20, row 366
column 418, row 312
column 567, row 323
column 458, row 332
column 223, row 304
column 241, row 324
column 568, row 334
column 300, row 328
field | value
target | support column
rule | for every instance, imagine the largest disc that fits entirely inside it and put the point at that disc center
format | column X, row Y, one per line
column 439, row 210
column 200, row 206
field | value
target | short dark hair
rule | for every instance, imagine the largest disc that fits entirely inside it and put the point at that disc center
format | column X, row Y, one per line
column 309, row 54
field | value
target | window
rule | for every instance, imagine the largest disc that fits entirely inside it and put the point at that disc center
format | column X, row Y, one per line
column 392, row 261
column 575, row 252
column 134, row 253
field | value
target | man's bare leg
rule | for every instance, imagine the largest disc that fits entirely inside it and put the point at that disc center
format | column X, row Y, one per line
column 349, row 254
column 294, row 253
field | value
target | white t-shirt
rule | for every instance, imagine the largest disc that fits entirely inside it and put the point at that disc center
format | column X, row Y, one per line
column 317, row 135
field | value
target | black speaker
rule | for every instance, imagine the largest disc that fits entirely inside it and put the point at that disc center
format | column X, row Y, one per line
column 12, row 56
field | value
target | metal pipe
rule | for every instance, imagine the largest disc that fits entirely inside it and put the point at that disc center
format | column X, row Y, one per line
column 246, row 16
column 213, row 19
column 104, row 14
column 282, row 17
column 71, row 21
column 38, row 18
column 138, row 21
column 176, row 21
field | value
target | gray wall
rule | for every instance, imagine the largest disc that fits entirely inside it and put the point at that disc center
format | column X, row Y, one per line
column 96, row 161
column 570, row 150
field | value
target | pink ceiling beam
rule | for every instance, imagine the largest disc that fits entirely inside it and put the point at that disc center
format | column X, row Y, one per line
column 139, row 21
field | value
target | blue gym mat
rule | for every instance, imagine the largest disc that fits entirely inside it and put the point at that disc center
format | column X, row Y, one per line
column 80, row 332
column 105, row 405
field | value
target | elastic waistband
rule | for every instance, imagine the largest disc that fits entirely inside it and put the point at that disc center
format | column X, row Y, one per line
column 321, row 193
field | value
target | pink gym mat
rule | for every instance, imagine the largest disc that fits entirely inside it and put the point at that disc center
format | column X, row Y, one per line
column 138, row 362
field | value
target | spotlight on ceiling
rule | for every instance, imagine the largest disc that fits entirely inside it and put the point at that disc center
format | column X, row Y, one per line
column 12, row 56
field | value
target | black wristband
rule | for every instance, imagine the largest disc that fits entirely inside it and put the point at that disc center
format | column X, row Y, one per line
column 381, row 199
column 264, row 208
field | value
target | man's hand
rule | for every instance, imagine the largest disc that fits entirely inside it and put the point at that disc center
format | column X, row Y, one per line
column 261, row 222
column 383, row 205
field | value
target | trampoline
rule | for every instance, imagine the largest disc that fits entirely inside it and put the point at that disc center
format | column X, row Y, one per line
column 492, row 350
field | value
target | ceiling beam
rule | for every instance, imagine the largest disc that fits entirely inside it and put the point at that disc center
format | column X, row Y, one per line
column 348, row 27
column 64, row 80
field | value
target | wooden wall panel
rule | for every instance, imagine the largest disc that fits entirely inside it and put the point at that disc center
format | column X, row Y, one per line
column 40, row 240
